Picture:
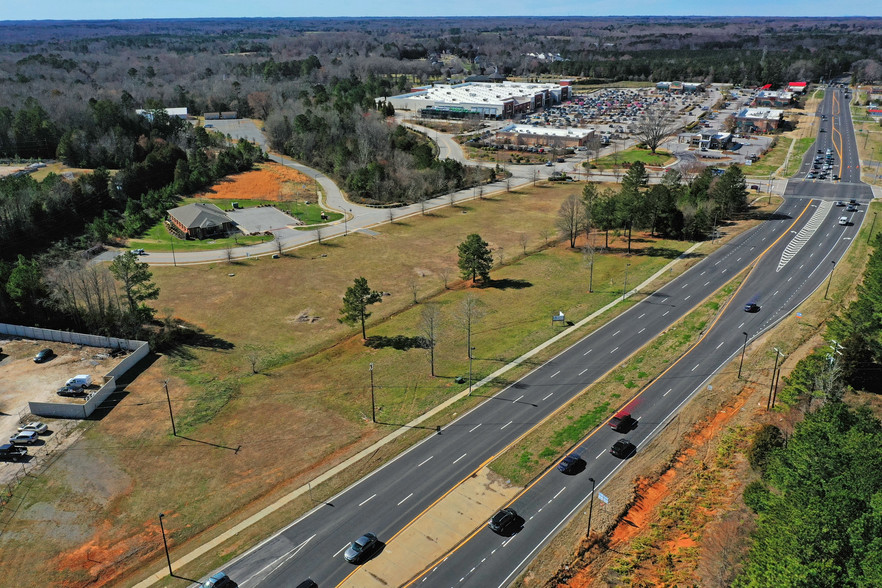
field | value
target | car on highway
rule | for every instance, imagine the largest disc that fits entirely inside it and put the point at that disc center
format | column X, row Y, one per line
column 504, row 520
column 44, row 355
column 571, row 464
column 851, row 208
column 220, row 580
column 361, row 548
column 622, row 449
column 840, row 203
column 843, row 220
column 10, row 452
column 24, row 438
column 853, row 202
column 751, row 307
column 835, row 177
column 139, row 252
column 307, row 583
column 548, row 164
column 622, row 422
column 37, row 426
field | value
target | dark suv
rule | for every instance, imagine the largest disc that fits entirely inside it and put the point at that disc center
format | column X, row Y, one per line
column 503, row 520
column 622, row 422
column 10, row 452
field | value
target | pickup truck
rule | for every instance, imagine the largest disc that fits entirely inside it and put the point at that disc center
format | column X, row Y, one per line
column 10, row 452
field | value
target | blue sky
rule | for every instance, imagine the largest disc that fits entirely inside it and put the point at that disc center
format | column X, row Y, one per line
column 110, row 9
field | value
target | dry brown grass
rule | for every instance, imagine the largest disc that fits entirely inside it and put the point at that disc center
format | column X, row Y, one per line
column 270, row 181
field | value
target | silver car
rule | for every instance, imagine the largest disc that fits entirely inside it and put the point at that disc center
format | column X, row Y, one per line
column 361, row 548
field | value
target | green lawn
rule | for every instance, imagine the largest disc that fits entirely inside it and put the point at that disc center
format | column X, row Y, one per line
column 802, row 145
column 157, row 239
column 308, row 213
column 633, row 155
column 771, row 160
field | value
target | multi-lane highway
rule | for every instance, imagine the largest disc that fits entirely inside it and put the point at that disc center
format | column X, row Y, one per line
column 793, row 252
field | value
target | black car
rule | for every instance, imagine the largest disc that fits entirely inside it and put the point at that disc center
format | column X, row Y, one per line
column 44, row 355
column 307, row 583
column 10, row 452
column 361, row 548
column 853, row 202
column 751, row 307
column 503, row 520
column 622, row 449
column 70, row 391
column 571, row 464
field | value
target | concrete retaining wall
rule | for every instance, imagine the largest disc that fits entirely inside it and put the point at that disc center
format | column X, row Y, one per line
column 61, row 410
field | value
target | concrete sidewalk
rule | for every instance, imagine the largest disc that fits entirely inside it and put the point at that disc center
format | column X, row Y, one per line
column 235, row 530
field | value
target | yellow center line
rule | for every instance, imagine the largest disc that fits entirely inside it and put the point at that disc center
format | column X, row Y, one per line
column 600, row 427
column 834, row 133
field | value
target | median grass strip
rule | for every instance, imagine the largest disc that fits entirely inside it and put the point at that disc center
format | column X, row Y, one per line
column 537, row 451
column 771, row 159
column 633, row 155
column 795, row 161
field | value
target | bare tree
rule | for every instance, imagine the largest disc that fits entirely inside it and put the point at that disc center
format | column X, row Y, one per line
column 414, row 284
column 654, row 126
column 279, row 246
column 318, row 235
column 523, row 239
column 229, row 253
column 500, row 254
column 253, row 353
column 545, row 234
column 470, row 311
column 423, row 204
column 571, row 218
column 430, row 322
column 451, row 198
column 391, row 215
column 445, row 273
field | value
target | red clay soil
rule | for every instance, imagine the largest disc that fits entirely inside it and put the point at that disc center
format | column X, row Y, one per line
column 270, row 181
column 652, row 495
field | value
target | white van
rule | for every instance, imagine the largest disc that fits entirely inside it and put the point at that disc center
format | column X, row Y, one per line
column 79, row 381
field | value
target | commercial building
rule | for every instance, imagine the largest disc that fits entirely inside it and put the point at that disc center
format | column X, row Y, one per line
column 200, row 221
column 707, row 139
column 680, row 87
column 483, row 100
column 543, row 136
column 772, row 98
column 758, row 120
column 176, row 112
column 797, row 87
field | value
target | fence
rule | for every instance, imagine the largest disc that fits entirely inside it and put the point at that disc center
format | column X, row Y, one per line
column 139, row 350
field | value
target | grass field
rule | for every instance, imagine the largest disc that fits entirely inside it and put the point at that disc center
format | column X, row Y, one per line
column 771, row 161
column 633, row 155
column 245, row 436
column 157, row 238
column 799, row 149
column 868, row 135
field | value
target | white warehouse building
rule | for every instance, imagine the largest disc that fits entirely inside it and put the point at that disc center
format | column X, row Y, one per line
column 487, row 100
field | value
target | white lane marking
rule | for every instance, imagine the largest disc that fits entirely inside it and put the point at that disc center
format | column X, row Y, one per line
column 599, row 454
column 687, row 298
column 702, row 273
column 366, row 501
column 549, row 377
column 706, row 283
column 696, row 367
column 549, row 396
column 472, row 430
column 341, row 549
column 741, row 325
column 521, row 396
column 279, row 562
column 587, row 352
column 583, row 371
column 616, row 333
column 505, row 425
column 641, row 330
column 507, row 541
column 666, row 393
column 684, row 285
column 721, row 344
column 642, row 315
column 666, row 313
column 614, row 350
column 465, row 454
column 739, row 259
column 422, row 462
column 558, row 493
column 776, row 293
column 405, row 498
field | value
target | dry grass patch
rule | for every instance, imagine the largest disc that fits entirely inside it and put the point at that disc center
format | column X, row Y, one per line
column 269, row 181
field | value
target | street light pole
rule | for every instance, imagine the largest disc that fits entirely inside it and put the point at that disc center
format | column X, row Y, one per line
column 470, row 369
column 777, row 379
column 872, row 225
column 165, row 543
column 829, row 280
column 625, row 283
column 373, row 403
column 772, row 385
column 743, row 348
column 590, row 506
column 170, row 413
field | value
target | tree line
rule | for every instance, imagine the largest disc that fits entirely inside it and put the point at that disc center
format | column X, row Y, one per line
column 674, row 208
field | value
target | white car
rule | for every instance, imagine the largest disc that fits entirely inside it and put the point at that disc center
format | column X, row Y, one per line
column 24, row 438
column 843, row 220
column 139, row 252
column 35, row 426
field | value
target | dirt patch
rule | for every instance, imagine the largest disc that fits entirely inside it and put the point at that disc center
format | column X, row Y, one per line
column 270, row 181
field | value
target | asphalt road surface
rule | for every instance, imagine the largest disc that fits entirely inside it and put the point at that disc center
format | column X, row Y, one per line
column 793, row 254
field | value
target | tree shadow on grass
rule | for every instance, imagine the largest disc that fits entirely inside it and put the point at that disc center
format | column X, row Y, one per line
column 400, row 342
column 666, row 252
column 506, row 283
column 194, row 337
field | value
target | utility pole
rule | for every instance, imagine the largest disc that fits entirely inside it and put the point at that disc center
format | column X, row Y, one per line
column 171, row 239
column 590, row 506
column 625, row 283
column 373, row 403
column 772, row 385
column 470, row 369
column 872, row 225
column 170, row 413
column 165, row 543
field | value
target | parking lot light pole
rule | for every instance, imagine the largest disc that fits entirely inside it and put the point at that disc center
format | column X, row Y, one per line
column 165, row 543
column 743, row 347
column 829, row 280
column 590, row 506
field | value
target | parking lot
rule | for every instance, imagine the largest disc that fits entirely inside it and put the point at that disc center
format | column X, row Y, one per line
column 23, row 380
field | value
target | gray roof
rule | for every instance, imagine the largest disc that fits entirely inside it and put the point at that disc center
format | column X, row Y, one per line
column 200, row 215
